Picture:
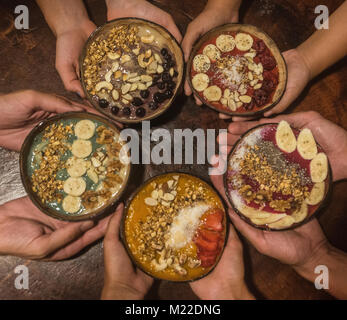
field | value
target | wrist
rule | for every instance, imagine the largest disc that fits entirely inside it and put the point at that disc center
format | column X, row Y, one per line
column 319, row 256
column 307, row 61
column 232, row 292
column 78, row 24
column 120, row 292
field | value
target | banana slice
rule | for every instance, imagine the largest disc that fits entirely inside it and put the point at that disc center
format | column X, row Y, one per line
column 285, row 137
column 243, row 41
column 74, row 186
column 283, row 223
column 271, row 219
column 81, row 148
column 200, row 81
column 213, row 93
column 301, row 213
column 76, row 167
column 253, row 213
column 212, row 52
column 84, row 129
column 319, row 167
column 307, row 146
column 201, row 63
column 71, row 204
column 317, row 194
column 225, row 43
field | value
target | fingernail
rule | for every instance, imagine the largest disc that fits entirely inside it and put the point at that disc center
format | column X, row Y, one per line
column 78, row 95
column 87, row 225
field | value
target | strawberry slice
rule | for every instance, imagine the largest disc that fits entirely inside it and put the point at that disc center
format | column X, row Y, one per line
column 207, row 262
column 214, row 220
column 204, row 245
column 209, row 235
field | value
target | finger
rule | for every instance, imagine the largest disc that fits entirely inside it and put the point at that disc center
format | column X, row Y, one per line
column 239, row 119
column 191, row 35
column 284, row 103
column 224, row 116
column 251, row 233
column 238, row 128
column 52, row 103
column 187, row 89
column 174, row 30
column 227, row 138
column 68, row 75
column 61, row 237
column 112, row 233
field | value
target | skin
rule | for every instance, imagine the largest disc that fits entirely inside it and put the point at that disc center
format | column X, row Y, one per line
column 321, row 50
column 213, row 15
column 304, row 247
column 122, row 280
column 142, row 9
column 71, row 25
column 22, row 110
column 28, row 233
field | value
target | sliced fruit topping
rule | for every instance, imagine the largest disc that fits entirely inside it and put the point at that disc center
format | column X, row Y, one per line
column 84, row 129
column 209, row 235
column 81, row 148
column 285, row 137
column 205, row 245
column 317, row 194
column 74, row 186
column 243, row 41
column 213, row 93
column 307, row 146
column 200, row 81
column 201, row 63
column 283, row 223
column 71, row 204
column 225, row 43
column 300, row 214
column 76, row 167
column 212, row 52
column 214, row 219
column 319, row 167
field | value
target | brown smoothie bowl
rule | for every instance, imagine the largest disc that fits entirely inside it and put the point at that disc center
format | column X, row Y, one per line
column 271, row 45
column 25, row 162
column 317, row 208
column 169, row 41
column 126, row 213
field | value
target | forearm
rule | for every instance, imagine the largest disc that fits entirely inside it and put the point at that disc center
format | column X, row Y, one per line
column 336, row 262
column 120, row 292
column 63, row 15
column 232, row 5
column 326, row 46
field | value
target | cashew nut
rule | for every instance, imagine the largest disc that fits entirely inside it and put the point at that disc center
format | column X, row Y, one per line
column 103, row 84
column 108, row 76
column 147, row 39
column 115, row 66
column 113, row 55
column 115, row 94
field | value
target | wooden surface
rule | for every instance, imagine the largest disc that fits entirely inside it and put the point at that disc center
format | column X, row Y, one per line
column 27, row 61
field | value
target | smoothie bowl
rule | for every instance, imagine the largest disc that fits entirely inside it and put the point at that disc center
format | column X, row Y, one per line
column 277, row 176
column 174, row 227
column 73, row 166
column 131, row 69
column 238, row 70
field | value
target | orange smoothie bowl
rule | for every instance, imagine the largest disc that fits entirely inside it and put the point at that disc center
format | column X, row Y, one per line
column 174, row 227
column 277, row 177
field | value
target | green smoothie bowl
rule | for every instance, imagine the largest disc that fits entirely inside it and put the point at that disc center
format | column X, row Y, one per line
column 74, row 166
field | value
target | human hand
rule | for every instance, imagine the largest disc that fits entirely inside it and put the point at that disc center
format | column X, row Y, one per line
column 226, row 281
column 22, row 110
column 28, row 233
column 69, row 46
column 122, row 279
column 142, row 9
column 298, row 78
column 212, row 16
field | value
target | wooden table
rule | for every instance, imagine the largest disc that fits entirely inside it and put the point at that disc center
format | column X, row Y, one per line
column 27, row 61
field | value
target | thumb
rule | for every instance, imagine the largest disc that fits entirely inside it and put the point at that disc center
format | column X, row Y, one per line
column 69, row 76
column 191, row 35
column 54, row 104
column 112, row 233
column 63, row 236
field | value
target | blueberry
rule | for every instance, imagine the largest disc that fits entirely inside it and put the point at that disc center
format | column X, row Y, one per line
column 137, row 102
column 166, row 66
column 168, row 93
column 168, row 57
column 156, row 79
column 153, row 105
column 115, row 110
column 164, row 52
column 159, row 97
column 103, row 103
column 165, row 77
column 144, row 94
column 171, row 64
column 171, row 85
column 175, row 74
column 126, row 111
column 140, row 112
column 161, row 85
